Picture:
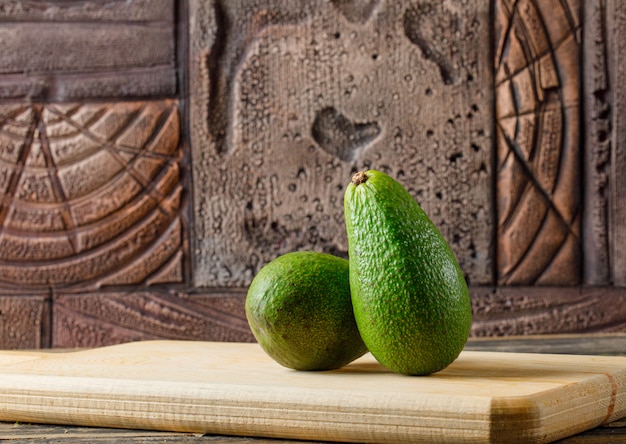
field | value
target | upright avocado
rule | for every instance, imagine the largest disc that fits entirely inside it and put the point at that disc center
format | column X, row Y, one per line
column 410, row 299
column 299, row 309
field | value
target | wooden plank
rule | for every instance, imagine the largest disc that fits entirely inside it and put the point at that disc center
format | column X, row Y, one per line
column 15, row 431
column 287, row 100
column 64, row 51
column 20, row 433
column 105, row 318
column 24, row 322
column 613, row 433
column 607, row 344
column 617, row 56
column 602, row 344
column 87, row 10
column 133, row 82
column 237, row 389
column 37, row 47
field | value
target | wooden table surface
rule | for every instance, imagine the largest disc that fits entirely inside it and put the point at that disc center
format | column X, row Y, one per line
column 600, row 344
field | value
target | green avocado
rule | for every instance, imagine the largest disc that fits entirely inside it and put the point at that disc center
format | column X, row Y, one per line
column 299, row 309
column 410, row 299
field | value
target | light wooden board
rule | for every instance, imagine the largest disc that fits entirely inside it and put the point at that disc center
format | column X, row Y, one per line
column 234, row 388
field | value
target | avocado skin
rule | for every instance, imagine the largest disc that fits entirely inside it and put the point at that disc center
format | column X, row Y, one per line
column 299, row 309
column 409, row 296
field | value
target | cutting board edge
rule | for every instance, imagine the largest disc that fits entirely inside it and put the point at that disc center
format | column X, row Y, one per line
column 523, row 416
column 277, row 419
column 536, row 418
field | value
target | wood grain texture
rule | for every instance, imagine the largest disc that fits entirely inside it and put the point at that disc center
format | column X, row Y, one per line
column 87, row 10
column 24, row 322
column 617, row 56
column 609, row 434
column 537, row 81
column 90, row 195
column 93, row 320
column 53, row 433
column 602, row 344
column 97, row 48
column 613, row 433
column 287, row 100
column 236, row 389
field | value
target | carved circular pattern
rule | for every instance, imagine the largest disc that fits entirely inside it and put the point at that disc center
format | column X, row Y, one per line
column 90, row 194
column 537, row 110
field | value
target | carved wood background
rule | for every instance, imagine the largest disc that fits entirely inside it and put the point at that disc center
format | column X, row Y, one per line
column 537, row 83
column 154, row 154
column 317, row 91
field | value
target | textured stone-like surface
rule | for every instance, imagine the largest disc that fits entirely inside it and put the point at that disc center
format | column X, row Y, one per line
column 88, row 320
column 616, row 17
column 288, row 99
column 24, row 322
column 95, row 48
column 87, row 10
column 90, row 194
column 597, row 145
column 537, row 81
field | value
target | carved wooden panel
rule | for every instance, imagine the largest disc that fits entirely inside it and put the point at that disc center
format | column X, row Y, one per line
column 126, row 125
column 597, row 144
column 24, row 322
column 83, row 320
column 90, row 195
column 537, row 82
column 616, row 16
column 87, row 320
column 288, row 99
column 95, row 48
column 508, row 310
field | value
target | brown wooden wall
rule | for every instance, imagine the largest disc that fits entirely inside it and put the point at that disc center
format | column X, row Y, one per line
column 154, row 154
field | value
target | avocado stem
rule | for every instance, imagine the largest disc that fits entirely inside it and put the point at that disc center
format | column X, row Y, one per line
column 359, row 178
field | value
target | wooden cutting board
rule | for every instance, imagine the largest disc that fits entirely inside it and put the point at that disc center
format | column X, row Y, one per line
column 235, row 389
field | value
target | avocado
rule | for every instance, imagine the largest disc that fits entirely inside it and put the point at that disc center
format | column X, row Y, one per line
column 410, row 298
column 299, row 309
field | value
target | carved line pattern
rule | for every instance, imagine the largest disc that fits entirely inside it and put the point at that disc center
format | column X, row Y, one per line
column 90, row 194
column 537, row 104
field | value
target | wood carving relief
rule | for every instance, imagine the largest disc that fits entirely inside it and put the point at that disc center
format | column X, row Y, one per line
column 154, row 154
column 24, row 322
column 537, row 82
column 90, row 195
column 288, row 99
column 534, row 310
column 108, row 318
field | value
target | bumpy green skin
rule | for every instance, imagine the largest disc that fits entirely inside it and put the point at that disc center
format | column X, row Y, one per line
column 299, row 309
column 410, row 299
